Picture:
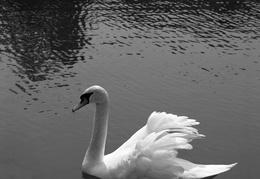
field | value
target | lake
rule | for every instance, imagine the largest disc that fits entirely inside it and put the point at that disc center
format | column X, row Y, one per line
column 195, row 58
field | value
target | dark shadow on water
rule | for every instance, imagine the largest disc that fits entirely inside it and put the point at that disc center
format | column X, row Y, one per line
column 87, row 176
column 215, row 5
column 211, row 177
column 40, row 38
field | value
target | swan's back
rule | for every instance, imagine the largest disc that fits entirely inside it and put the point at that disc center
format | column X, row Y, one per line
column 151, row 153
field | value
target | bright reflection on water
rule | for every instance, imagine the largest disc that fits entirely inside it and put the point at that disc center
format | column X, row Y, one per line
column 196, row 58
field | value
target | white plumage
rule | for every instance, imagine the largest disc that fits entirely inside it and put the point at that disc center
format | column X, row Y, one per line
column 151, row 153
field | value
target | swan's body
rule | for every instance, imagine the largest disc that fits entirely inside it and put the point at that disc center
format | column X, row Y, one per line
column 151, row 153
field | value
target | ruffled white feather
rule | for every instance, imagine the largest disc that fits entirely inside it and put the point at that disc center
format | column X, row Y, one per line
column 151, row 153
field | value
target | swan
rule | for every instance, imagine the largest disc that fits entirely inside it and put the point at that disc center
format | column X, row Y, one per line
column 151, row 153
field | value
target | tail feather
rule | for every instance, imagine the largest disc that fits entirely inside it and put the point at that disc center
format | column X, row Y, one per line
column 207, row 171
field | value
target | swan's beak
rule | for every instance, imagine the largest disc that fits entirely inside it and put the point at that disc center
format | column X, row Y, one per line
column 80, row 105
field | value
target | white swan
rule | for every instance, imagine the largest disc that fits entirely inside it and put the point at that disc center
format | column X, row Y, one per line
column 151, row 153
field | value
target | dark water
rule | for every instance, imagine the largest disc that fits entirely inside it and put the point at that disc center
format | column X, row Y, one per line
column 196, row 58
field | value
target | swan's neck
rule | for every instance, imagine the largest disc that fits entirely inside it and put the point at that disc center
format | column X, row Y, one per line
column 95, row 152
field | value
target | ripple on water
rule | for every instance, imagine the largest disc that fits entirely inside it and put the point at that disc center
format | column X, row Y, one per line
column 43, row 41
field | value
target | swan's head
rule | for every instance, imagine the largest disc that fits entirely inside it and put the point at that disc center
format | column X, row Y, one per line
column 94, row 94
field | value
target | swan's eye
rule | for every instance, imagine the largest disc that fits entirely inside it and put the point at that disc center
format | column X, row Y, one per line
column 85, row 96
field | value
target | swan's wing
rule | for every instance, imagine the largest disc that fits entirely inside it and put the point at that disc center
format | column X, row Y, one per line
column 157, row 122
column 152, row 151
column 152, row 157
column 155, row 157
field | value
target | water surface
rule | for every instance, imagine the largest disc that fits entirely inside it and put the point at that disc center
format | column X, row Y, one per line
column 194, row 58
